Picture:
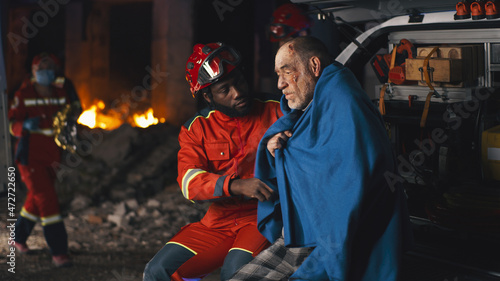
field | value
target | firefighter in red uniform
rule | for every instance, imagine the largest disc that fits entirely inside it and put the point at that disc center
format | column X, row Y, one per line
column 289, row 21
column 31, row 117
column 216, row 163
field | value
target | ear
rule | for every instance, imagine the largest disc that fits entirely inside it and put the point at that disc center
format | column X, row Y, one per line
column 315, row 66
column 205, row 96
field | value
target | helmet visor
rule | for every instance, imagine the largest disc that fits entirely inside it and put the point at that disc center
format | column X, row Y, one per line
column 213, row 67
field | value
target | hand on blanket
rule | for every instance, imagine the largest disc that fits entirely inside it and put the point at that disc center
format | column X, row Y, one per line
column 278, row 141
column 253, row 188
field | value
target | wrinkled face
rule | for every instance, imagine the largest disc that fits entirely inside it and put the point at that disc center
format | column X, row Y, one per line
column 231, row 96
column 295, row 79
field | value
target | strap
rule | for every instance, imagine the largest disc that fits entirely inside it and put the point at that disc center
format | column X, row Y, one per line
column 426, row 109
column 432, row 91
column 381, row 103
column 393, row 60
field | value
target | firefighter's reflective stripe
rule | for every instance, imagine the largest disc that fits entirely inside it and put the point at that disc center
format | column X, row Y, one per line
column 241, row 249
column 29, row 216
column 51, row 219
column 189, row 123
column 183, row 246
column 44, row 101
column 45, row 132
column 11, row 123
column 59, row 81
column 188, row 176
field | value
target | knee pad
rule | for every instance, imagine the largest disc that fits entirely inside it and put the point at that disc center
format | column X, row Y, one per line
column 235, row 259
column 166, row 262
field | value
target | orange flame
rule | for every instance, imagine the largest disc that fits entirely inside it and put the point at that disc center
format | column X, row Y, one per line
column 145, row 120
column 94, row 117
column 88, row 117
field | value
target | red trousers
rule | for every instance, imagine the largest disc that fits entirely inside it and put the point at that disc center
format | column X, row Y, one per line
column 41, row 201
column 212, row 246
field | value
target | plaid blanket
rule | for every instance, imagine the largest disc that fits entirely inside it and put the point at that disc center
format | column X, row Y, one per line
column 273, row 264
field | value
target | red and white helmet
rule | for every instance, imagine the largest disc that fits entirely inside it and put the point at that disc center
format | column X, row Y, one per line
column 288, row 20
column 208, row 63
column 44, row 56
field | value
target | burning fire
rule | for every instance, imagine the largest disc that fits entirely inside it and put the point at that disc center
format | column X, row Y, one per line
column 95, row 117
column 145, row 120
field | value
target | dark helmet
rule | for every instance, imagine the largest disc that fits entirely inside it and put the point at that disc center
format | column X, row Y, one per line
column 288, row 20
column 208, row 63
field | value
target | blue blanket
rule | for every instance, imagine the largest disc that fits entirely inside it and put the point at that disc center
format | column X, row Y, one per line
column 331, row 182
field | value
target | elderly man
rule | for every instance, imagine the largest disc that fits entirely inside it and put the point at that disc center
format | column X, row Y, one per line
column 327, row 158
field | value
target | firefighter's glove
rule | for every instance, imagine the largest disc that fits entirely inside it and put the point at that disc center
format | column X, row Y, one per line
column 31, row 124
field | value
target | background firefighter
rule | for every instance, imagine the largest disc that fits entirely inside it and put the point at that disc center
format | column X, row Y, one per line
column 31, row 116
column 288, row 21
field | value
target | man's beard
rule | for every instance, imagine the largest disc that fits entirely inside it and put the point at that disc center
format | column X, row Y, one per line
column 230, row 111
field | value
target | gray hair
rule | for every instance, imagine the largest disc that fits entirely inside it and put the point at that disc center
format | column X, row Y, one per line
column 307, row 47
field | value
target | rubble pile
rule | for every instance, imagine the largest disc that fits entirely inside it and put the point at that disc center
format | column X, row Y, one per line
column 120, row 201
column 120, row 189
column 129, row 224
column 119, row 164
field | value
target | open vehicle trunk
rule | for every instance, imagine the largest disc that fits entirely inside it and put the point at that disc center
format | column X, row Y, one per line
column 449, row 155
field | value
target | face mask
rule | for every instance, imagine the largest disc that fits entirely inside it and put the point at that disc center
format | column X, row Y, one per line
column 45, row 76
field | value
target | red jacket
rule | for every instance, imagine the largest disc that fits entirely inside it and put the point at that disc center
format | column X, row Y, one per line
column 37, row 146
column 216, row 148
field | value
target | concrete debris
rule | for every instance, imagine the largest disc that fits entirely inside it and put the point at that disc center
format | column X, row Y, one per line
column 124, row 163
column 120, row 209
column 132, row 204
column 92, row 219
column 153, row 203
column 118, row 220
column 124, row 194
column 80, row 202
column 115, row 145
column 142, row 212
column 74, row 246
column 156, row 214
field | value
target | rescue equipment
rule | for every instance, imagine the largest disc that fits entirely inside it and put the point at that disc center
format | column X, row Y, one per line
column 440, row 69
column 385, row 69
column 463, row 10
column 381, row 65
column 477, row 10
column 432, row 91
column 381, row 103
column 491, row 153
column 491, row 10
column 65, row 128
column 395, row 71
column 453, row 66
